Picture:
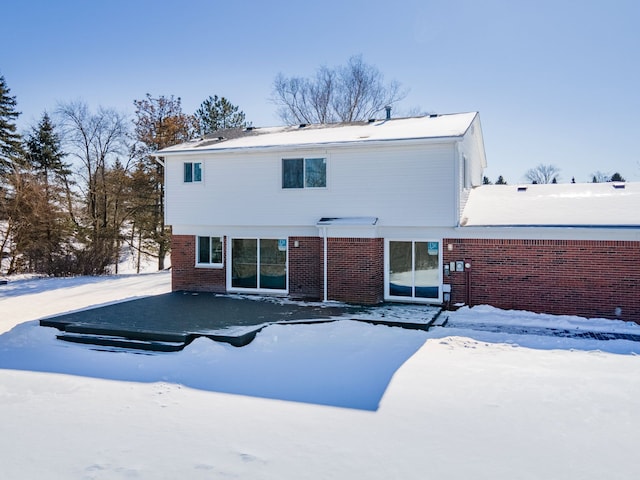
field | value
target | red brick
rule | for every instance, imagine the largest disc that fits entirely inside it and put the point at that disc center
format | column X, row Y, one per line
column 572, row 277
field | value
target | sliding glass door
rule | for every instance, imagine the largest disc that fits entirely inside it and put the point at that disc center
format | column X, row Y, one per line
column 259, row 263
column 413, row 270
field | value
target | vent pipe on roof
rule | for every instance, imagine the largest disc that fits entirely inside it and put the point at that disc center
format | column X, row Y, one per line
column 388, row 109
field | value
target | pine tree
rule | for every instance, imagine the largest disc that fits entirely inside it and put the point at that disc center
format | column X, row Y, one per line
column 501, row 181
column 47, row 237
column 10, row 156
column 10, row 140
column 616, row 177
column 218, row 114
column 44, row 150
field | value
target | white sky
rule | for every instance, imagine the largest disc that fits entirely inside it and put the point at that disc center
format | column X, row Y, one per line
column 555, row 82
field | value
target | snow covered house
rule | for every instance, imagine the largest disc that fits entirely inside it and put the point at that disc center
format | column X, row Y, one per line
column 389, row 210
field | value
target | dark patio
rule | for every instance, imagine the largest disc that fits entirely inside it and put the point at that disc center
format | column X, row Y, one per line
column 171, row 321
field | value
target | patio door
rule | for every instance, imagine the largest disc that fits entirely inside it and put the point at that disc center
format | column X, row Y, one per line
column 413, row 271
column 258, row 264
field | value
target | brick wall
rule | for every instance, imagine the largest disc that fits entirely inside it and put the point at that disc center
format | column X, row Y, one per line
column 586, row 278
column 305, row 268
column 184, row 274
column 356, row 270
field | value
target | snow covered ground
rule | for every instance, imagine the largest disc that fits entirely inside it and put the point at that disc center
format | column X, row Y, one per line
column 342, row 400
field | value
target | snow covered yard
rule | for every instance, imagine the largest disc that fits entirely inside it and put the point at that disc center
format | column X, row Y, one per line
column 452, row 403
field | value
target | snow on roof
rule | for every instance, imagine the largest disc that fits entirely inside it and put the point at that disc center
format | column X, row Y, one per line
column 554, row 205
column 427, row 127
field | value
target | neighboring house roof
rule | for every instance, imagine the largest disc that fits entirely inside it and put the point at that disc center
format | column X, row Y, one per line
column 596, row 205
column 414, row 128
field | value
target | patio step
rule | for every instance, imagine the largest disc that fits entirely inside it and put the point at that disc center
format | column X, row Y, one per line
column 114, row 341
column 110, row 331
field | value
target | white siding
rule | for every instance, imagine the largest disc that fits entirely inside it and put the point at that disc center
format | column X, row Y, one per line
column 471, row 162
column 401, row 185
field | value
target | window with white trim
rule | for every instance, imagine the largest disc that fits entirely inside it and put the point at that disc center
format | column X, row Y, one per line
column 304, row 172
column 192, row 172
column 209, row 252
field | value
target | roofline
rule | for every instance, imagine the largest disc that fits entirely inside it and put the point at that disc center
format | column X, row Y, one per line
column 347, row 143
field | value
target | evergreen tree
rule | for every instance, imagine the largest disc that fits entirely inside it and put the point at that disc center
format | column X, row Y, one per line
column 44, row 151
column 616, row 177
column 46, row 177
column 218, row 114
column 10, row 155
column 501, row 181
column 10, row 140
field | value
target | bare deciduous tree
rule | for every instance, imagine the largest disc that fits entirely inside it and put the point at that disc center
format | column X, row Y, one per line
column 543, row 174
column 355, row 91
column 159, row 123
column 96, row 141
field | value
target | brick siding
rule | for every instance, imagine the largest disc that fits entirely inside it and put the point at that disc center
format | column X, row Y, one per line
column 572, row 277
column 305, row 268
column 185, row 275
column 356, row 270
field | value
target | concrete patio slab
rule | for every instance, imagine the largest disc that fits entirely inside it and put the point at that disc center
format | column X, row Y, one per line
column 169, row 322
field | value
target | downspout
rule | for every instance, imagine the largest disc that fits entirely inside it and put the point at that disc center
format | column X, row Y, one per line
column 325, row 263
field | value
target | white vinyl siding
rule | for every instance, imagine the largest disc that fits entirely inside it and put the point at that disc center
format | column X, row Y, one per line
column 401, row 185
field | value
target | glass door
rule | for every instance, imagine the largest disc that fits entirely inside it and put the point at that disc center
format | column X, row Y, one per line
column 413, row 270
column 259, row 263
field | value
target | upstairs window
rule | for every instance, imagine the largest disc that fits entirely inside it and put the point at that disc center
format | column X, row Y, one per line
column 192, row 172
column 209, row 251
column 304, row 172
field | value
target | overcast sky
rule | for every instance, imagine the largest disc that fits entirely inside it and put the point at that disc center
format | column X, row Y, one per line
column 555, row 81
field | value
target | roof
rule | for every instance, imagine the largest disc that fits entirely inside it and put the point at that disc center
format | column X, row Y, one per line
column 414, row 128
column 613, row 205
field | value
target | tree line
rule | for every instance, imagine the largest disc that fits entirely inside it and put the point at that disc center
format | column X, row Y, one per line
column 543, row 174
column 82, row 186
